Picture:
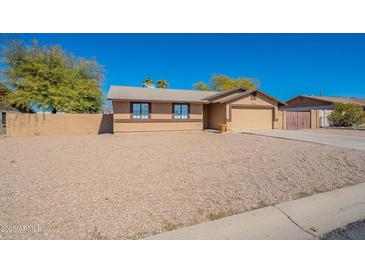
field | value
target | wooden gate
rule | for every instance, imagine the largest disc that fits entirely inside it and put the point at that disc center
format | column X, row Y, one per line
column 298, row 120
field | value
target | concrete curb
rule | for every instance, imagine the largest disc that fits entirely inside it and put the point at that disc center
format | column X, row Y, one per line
column 327, row 211
column 305, row 218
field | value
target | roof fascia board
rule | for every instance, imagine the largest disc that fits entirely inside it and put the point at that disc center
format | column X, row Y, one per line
column 309, row 97
column 248, row 92
column 222, row 93
column 159, row 101
column 273, row 98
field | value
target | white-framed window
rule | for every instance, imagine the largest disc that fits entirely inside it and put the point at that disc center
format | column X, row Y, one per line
column 140, row 110
column 181, row 111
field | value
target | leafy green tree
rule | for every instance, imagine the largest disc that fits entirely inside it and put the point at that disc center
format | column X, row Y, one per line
column 201, row 86
column 3, row 92
column 4, row 96
column 147, row 82
column 162, row 84
column 220, row 82
column 48, row 78
column 346, row 114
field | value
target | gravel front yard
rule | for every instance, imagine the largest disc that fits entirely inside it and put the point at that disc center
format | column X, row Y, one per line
column 135, row 185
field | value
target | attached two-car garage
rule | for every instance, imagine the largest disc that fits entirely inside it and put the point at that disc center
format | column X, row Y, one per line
column 251, row 118
column 244, row 110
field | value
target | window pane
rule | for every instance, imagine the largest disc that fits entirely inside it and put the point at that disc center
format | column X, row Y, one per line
column 144, row 111
column 177, row 111
column 136, row 110
column 184, row 111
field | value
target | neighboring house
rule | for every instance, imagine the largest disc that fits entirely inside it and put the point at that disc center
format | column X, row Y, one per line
column 4, row 108
column 305, row 103
column 155, row 109
column 324, row 105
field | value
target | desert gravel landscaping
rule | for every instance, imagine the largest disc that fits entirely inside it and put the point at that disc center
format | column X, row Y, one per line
column 134, row 185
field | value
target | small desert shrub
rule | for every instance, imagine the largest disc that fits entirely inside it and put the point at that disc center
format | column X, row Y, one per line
column 171, row 226
column 302, row 195
column 346, row 114
column 262, row 204
column 215, row 216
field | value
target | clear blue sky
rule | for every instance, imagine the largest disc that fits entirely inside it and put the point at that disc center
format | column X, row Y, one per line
column 285, row 64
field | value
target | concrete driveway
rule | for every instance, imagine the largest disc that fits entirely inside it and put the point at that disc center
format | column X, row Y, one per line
column 353, row 142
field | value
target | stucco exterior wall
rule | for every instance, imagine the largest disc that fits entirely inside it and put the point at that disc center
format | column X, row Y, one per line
column 217, row 114
column 161, row 111
column 58, row 124
column 156, row 126
column 121, row 110
column 261, row 100
column 279, row 121
column 161, row 118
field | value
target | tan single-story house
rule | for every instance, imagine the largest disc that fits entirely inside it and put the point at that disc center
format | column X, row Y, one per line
column 305, row 102
column 154, row 109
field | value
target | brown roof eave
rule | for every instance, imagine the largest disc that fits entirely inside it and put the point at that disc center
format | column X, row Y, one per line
column 353, row 101
column 273, row 98
column 159, row 101
column 245, row 93
column 310, row 97
column 223, row 93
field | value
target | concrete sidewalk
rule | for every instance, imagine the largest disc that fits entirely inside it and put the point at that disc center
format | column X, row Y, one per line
column 353, row 142
column 306, row 218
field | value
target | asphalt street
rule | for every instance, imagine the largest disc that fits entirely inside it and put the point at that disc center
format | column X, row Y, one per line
column 354, row 231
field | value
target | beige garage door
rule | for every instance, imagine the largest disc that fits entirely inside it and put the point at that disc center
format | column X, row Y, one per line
column 251, row 118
